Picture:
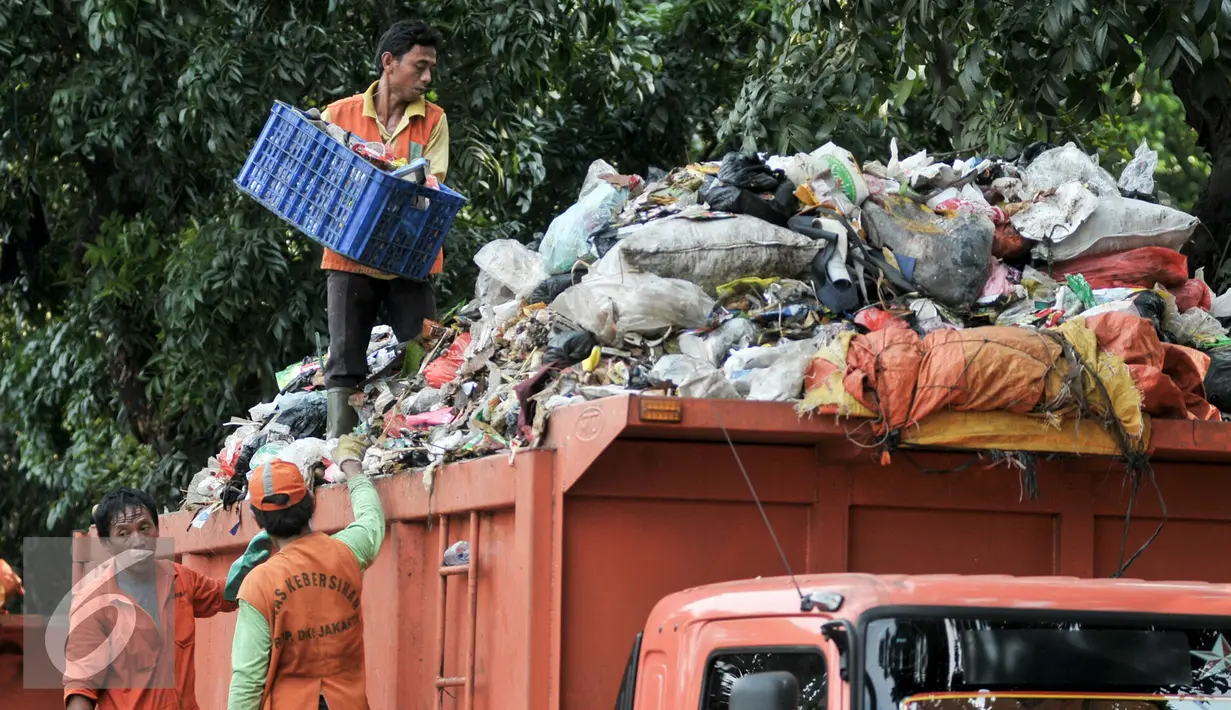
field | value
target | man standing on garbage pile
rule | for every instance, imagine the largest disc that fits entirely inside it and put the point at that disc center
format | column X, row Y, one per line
column 155, row 667
column 299, row 637
column 395, row 112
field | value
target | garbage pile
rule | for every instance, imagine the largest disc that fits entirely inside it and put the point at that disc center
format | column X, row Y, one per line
column 891, row 291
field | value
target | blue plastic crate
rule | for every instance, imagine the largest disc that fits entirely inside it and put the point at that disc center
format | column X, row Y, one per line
column 344, row 202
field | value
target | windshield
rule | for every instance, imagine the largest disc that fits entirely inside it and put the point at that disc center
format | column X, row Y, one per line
column 947, row 663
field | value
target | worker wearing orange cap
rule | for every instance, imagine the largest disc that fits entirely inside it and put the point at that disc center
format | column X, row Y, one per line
column 299, row 635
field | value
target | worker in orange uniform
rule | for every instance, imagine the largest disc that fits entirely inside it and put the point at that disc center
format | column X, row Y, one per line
column 10, row 585
column 299, row 633
column 153, row 667
column 395, row 112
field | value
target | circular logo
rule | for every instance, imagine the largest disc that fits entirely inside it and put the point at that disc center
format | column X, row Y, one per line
column 590, row 423
column 81, row 602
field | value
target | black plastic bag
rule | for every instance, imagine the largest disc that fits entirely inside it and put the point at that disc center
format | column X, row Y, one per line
column 748, row 171
column 1034, row 150
column 552, row 286
column 1218, row 380
column 1150, row 306
column 725, row 197
column 303, row 415
column 604, row 240
column 570, row 347
column 244, row 463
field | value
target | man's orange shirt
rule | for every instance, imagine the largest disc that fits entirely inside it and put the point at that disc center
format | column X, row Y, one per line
column 155, row 669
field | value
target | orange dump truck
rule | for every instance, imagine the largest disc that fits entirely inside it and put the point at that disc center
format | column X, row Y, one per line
column 583, row 550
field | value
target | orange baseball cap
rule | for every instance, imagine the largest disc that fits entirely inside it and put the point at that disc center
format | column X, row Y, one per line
column 276, row 486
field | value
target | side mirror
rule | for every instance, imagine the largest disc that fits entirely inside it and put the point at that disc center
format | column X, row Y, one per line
column 776, row 690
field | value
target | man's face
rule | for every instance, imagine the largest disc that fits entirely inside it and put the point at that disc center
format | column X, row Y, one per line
column 410, row 76
column 134, row 529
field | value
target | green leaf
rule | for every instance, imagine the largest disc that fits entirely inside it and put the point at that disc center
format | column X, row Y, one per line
column 1162, row 51
column 1191, row 49
column 1100, row 38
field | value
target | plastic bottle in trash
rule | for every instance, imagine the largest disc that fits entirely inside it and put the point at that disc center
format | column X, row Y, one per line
column 458, row 554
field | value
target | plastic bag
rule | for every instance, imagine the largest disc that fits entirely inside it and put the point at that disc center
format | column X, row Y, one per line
column 443, row 370
column 969, row 198
column 552, row 286
column 693, row 377
column 598, row 170
column 1218, row 380
column 1143, row 268
column 747, row 171
column 489, row 291
column 1067, row 165
column 713, row 347
column 300, row 415
column 567, row 238
column 1221, row 306
column 1120, row 224
column 725, row 197
column 514, row 266
column 1195, row 327
column 422, row 401
column 782, row 380
column 457, row 555
column 570, row 347
column 953, row 256
column 845, row 170
column 611, row 307
column 306, row 454
column 772, row 373
column 711, row 252
column 266, row 454
column 1193, row 293
column 1057, row 216
column 1138, row 175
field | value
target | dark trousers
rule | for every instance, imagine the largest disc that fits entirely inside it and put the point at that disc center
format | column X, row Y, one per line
column 355, row 301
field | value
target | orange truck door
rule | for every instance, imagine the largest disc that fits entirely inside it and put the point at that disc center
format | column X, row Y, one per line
column 698, row 670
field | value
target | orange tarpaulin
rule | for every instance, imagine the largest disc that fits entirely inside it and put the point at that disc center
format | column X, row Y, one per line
column 983, row 370
column 1170, row 377
column 918, row 387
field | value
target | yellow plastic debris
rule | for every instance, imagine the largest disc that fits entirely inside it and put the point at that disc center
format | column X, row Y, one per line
column 590, row 364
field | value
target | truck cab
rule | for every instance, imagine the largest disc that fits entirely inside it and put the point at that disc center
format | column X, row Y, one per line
column 869, row 642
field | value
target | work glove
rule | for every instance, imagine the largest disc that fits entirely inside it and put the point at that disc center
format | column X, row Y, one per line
column 350, row 448
column 259, row 550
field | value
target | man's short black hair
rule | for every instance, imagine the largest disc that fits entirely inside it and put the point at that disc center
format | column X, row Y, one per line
column 118, row 501
column 289, row 522
column 402, row 37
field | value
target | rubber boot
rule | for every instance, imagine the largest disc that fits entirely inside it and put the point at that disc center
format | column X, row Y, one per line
column 342, row 417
